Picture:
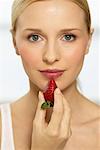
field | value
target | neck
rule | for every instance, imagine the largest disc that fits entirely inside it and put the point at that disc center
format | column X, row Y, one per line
column 72, row 95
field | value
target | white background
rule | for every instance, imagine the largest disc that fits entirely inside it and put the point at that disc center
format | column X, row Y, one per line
column 13, row 80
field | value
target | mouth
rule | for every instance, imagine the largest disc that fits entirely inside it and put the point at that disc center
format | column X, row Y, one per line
column 52, row 73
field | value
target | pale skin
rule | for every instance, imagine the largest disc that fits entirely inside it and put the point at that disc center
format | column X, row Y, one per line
column 77, row 126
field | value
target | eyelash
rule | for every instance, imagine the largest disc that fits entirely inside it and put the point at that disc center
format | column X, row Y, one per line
column 71, row 37
column 30, row 37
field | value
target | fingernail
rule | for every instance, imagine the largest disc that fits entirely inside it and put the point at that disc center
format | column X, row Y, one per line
column 40, row 94
column 57, row 90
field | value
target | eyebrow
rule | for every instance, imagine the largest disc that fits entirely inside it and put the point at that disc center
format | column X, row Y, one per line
column 32, row 29
column 61, row 31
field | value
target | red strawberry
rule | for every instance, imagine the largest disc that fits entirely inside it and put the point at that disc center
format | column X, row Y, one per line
column 49, row 95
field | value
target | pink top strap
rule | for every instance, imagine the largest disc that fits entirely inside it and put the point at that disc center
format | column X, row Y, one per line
column 7, row 140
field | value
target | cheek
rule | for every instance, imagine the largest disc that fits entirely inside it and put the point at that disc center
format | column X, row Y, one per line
column 76, row 58
column 29, row 57
column 76, row 53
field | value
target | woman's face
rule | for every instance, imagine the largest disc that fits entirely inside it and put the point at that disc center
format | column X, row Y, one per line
column 52, row 35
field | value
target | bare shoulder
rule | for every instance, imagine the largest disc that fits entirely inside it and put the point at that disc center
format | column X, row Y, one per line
column 86, row 134
column 90, row 116
column 92, row 122
column 94, row 111
column 94, row 117
column 91, row 110
column 93, row 126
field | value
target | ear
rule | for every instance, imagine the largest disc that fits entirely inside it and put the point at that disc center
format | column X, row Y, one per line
column 14, row 42
column 89, row 41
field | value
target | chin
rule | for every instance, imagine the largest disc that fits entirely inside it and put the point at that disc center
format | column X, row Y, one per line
column 40, row 84
column 62, row 85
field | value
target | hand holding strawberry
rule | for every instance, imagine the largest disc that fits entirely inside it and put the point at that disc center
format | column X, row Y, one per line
column 55, row 133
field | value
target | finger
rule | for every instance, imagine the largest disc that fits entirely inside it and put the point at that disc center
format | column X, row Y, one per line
column 65, row 124
column 40, row 113
column 57, row 114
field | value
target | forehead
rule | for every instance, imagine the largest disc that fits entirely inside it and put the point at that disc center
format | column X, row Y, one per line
column 52, row 13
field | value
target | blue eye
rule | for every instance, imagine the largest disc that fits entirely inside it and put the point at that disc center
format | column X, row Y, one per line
column 34, row 38
column 69, row 37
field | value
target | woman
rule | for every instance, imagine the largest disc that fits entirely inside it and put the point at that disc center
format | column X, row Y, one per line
column 52, row 38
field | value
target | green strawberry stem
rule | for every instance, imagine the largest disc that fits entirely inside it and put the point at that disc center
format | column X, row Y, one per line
column 47, row 104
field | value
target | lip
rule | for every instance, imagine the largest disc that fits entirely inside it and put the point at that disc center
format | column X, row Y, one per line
column 52, row 73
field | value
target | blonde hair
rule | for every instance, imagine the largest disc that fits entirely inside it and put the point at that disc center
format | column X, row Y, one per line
column 19, row 6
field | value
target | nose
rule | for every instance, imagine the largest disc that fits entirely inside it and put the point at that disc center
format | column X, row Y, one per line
column 51, row 53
